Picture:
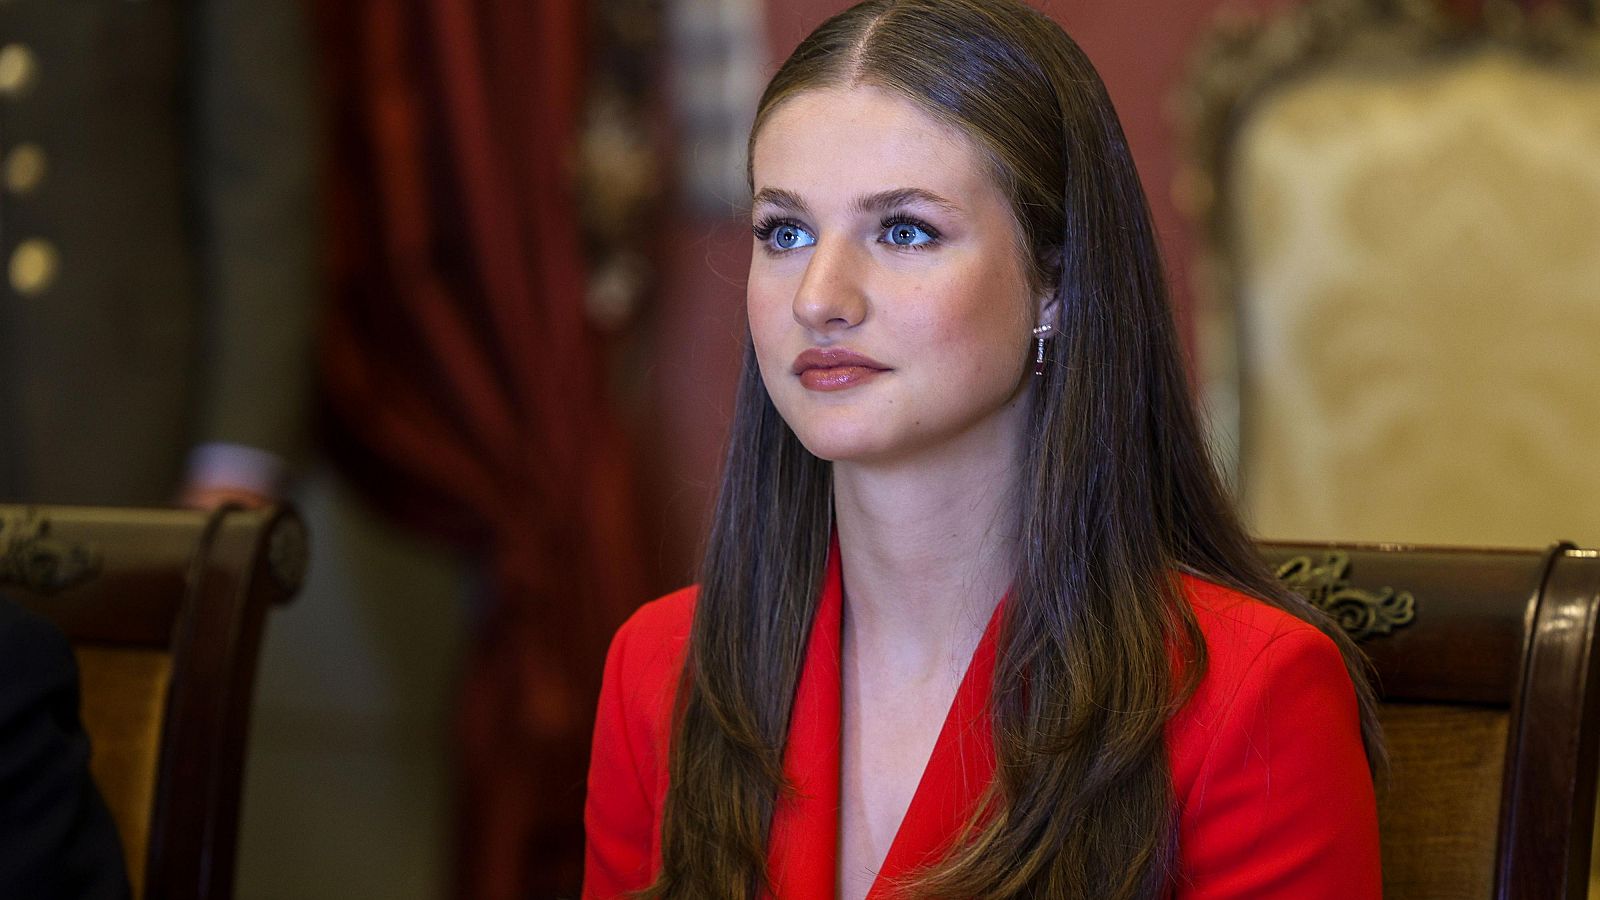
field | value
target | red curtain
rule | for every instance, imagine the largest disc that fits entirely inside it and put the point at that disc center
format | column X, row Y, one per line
column 464, row 387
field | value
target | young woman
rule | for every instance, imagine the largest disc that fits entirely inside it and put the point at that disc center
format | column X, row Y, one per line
column 975, row 619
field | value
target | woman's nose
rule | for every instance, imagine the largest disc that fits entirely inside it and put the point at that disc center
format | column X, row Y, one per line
column 831, row 296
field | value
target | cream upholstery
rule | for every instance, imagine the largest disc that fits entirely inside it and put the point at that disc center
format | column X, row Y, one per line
column 1418, row 289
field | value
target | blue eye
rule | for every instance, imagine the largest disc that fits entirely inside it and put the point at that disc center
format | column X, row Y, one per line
column 790, row 237
column 907, row 233
column 781, row 236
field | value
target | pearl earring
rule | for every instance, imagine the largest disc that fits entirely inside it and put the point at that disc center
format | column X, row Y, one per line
column 1038, row 357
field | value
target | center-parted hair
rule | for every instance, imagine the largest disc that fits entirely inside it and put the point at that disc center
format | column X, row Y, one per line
column 1098, row 648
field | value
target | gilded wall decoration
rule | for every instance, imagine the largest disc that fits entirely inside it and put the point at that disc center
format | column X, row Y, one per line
column 620, row 176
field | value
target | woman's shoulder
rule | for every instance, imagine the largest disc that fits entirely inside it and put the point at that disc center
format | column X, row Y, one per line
column 1238, row 628
column 1268, row 765
column 1259, row 658
column 648, row 648
column 628, row 757
column 647, row 655
column 664, row 618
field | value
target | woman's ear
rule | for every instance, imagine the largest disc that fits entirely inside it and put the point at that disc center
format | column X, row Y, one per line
column 1049, row 305
column 1047, row 302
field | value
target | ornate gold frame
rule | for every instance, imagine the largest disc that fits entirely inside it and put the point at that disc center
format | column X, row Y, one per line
column 1243, row 60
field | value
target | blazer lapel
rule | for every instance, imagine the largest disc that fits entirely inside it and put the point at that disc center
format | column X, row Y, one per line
column 802, row 850
column 958, row 772
column 803, row 846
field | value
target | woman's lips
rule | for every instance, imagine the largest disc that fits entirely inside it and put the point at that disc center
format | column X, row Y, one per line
column 837, row 378
column 835, row 369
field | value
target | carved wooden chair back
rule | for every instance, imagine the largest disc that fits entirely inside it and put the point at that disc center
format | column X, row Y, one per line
column 1489, row 683
column 1401, row 205
column 164, row 609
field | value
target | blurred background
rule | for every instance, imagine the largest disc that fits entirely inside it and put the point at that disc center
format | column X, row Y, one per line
column 463, row 279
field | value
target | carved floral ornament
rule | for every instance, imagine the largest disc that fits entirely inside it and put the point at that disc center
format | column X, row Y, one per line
column 31, row 559
column 1361, row 613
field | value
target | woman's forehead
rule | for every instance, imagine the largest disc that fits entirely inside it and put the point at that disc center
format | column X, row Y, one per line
column 837, row 144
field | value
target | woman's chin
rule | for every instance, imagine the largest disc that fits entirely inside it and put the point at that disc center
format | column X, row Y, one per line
column 866, row 447
column 843, row 446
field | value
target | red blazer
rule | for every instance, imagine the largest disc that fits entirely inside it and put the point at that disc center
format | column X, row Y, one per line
column 1267, row 763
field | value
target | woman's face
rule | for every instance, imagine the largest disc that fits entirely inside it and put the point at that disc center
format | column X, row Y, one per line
column 888, row 301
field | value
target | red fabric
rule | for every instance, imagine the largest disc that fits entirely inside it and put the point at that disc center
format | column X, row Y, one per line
column 464, row 387
column 1267, row 763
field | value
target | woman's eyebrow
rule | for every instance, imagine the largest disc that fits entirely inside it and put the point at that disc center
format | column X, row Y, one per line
column 883, row 201
column 879, row 202
column 780, row 198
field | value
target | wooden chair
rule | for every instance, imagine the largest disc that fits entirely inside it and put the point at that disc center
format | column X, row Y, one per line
column 1486, row 667
column 164, row 609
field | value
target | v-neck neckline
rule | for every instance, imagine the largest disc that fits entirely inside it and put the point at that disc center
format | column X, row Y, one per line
column 803, row 847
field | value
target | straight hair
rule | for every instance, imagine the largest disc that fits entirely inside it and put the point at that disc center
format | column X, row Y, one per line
column 1098, row 648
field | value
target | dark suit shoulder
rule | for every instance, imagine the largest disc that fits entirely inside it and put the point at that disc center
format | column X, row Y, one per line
column 36, row 663
column 56, row 837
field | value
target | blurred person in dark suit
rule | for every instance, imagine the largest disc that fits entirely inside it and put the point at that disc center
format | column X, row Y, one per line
column 157, row 242
column 57, row 840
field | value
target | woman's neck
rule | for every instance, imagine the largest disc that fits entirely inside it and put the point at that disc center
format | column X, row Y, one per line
column 928, row 548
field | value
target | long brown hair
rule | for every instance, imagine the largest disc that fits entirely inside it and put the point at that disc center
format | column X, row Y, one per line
column 1117, row 497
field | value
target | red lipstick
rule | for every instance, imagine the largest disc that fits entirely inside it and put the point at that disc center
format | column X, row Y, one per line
column 834, row 369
